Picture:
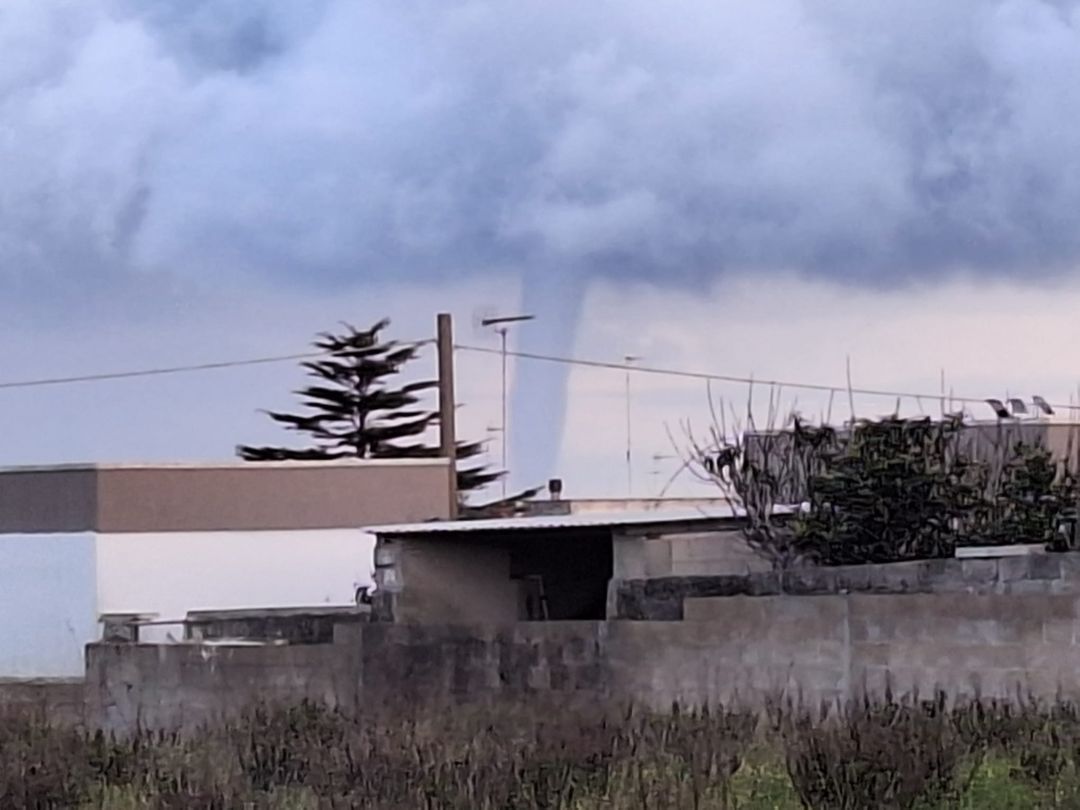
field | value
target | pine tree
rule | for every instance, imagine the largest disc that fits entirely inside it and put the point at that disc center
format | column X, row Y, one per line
column 354, row 411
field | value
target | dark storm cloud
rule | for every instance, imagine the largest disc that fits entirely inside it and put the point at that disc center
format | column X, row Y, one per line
column 333, row 140
column 325, row 142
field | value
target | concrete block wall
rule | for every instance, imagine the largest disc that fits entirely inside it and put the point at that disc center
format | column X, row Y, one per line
column 184, row 686
column 1003, row 642
column 992, row 645
column 662, row 598
column 314, row 625
column 823, row 647
column 383, row 666
column 732, row 650
column 59, row 701
column 418, row 664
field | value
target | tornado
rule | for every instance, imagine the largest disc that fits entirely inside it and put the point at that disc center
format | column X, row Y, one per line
column 539, row 395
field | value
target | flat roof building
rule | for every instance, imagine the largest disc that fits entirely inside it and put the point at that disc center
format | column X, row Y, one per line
column 81, row 541
column 548, row 567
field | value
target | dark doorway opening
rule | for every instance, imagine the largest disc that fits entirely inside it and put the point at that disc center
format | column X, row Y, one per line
column 564, row 576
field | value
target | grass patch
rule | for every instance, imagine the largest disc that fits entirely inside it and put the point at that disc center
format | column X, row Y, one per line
column 907, row 756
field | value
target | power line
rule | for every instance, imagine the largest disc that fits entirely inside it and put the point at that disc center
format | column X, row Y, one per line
column 150, row 372
column 573, row 361
column 153, row 372
column 701, row 375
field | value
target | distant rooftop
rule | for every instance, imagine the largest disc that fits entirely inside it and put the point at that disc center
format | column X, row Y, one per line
column 610, row 505
column 84, row 466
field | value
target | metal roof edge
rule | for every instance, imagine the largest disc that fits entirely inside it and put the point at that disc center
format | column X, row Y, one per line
column 594, row 520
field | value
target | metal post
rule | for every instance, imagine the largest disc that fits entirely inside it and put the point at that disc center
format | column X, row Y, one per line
column 447, row 405
column 629, row 457
column 629, row 460
column 502, row 440
column 502, row 327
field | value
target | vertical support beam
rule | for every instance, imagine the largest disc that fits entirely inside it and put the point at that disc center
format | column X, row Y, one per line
column 447, row 404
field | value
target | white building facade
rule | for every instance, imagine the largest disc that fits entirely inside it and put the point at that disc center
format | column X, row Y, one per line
column 77, row 543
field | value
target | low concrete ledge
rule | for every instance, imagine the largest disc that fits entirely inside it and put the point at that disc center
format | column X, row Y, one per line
column 661, row 599
column 297, row 625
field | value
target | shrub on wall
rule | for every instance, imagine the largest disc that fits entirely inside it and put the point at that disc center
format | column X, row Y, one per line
column 906, row 489
column 1031, row 499
column 890, row 490
column 894, row 489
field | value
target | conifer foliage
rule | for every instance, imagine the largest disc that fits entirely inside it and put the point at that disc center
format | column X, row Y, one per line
column 354, row 409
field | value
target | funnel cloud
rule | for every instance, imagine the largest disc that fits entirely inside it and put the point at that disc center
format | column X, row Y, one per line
column 328, row 143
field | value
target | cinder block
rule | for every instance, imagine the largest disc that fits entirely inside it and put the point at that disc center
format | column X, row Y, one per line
column 1013, row 569
column 772, row 618
column 875, row 630
column 1044, row 566
column 997, row 630
column 937, row 608
column 702, row 547
column 1060, row 632
column 896, row 578
column 1070, row 566
column 977, row 572
column 766, row 583
column 961, row 631
column 714, row 553
column 940, row 657
column 853, row 578
column 942, row 574
column 658, row 558
column 808, row 581
column 629, row 559
column 707, row 609
column 594, row 677
column 1029, row 587
column 1063, row 586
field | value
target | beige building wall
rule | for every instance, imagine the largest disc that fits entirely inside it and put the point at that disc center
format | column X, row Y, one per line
column 223, row 497
column 270, row 496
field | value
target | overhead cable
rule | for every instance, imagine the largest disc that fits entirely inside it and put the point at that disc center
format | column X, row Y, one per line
column 638, row 368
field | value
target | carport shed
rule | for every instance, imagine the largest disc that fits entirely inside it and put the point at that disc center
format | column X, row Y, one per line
column 553, row 568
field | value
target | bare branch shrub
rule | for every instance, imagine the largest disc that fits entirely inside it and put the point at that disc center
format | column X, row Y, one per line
column 764, row 471
column 884, row 490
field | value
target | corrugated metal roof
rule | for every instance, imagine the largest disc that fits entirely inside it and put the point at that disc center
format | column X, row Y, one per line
column 592, row 520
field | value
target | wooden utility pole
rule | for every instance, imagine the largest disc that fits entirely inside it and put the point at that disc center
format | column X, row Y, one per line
column 447, row 405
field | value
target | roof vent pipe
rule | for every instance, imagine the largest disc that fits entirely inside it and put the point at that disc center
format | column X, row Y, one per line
column 555, row 488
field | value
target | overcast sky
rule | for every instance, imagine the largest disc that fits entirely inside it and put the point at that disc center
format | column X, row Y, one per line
column 724, row 186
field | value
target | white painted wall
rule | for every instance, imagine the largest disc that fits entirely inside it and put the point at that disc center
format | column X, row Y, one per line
column 172, row 573
column 47, row 604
